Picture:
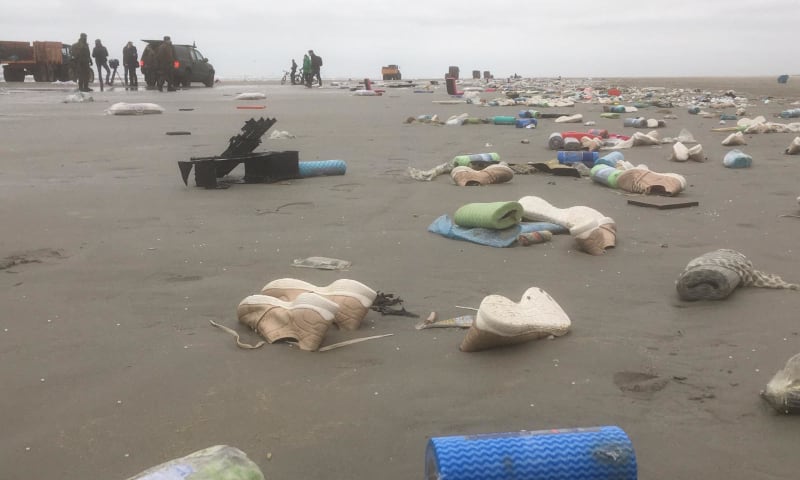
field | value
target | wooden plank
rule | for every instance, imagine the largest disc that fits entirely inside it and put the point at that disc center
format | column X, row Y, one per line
column 663, row 203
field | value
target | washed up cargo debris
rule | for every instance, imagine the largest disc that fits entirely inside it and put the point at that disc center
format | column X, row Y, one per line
column 388, row 303
column 322, row 263
column 682, row 153
column 250, row 96
column 464, row 321
column 639, row 179
column 213, row 463
column 794, row 147
column 501, row 321
column 783, row 390
column 715, row 275
column 123, row 108
column 737, row 159
column 79, row 97
column 260, row 167
column 663, row 203
column 594, row 232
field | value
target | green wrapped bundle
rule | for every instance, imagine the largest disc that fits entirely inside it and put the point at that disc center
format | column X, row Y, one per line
column 465, row 160
column 494, row 215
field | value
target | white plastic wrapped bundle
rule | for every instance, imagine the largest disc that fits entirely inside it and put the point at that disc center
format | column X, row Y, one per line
column 250, row 96
column 123, row 108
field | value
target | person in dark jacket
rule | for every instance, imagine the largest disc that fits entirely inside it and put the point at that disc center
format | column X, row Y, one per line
column 130, row 60
column 83, row 62
column 100, row 54
column 165, row 59
column 316, row 64
column 149, row 67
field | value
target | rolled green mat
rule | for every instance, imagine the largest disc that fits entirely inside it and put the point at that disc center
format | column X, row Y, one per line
column 475, row 121
column 465, row 160
column 494, row 215
column 504, row 120
column 609, row 115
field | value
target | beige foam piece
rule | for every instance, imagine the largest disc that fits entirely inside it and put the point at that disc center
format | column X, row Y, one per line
column 501, row 321
column 353, row 297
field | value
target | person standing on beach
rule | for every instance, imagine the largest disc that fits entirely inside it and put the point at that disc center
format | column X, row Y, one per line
column 83, row 60
column 316, row 64
column 165, row 59
column 293, row 72
column 307, row 70
column 100, row 54
column 130, row 60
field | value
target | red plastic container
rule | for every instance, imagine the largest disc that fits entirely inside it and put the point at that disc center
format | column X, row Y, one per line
column 578, row 135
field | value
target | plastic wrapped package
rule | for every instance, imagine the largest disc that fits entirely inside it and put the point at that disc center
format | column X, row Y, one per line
column 219, row 462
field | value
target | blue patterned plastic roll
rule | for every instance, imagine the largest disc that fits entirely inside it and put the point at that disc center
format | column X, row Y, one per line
column 600, row 453
column 321, row 168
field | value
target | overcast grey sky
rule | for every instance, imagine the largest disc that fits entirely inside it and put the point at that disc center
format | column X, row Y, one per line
column 577, row 38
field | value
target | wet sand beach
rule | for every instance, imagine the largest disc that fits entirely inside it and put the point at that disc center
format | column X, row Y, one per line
column 113, row 269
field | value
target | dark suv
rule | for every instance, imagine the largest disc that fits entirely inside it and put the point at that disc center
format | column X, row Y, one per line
column 190, row 66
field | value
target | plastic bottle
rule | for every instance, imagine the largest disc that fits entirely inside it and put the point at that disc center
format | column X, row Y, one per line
column 605, row 175
column 610, row 159
column 694, row 110
column 570, row 157
column 556, row 141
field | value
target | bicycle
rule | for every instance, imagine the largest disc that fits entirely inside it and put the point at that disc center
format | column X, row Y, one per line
column 298, row 78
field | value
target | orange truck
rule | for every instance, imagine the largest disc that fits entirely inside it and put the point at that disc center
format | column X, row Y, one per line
column 46, row 61
column 392, row 72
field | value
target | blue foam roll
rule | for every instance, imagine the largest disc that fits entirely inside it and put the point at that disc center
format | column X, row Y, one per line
column 599, row 453
column 321, row 168
column 568, row 158
column 525, row 122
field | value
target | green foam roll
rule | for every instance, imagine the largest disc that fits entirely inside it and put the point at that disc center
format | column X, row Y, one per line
column 494, row 215
column 504, row 120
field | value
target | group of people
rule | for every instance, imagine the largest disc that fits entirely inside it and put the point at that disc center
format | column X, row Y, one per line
column 157, row 65
column 157, row 62
column 312, row 63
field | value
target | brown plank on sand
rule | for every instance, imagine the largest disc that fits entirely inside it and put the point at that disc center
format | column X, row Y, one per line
column 663, row 203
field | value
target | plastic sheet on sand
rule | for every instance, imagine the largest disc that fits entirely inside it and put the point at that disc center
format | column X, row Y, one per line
column 445, row 226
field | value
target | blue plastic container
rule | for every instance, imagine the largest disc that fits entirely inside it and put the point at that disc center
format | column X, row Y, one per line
column 791, row 113
column 605, row 175
column 610, row 159
column 526, row 123
column 568, row 158
column 320, row 168
column 737, row 159
column 600, row 453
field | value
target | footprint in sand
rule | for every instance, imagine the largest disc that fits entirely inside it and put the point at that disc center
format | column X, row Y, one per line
column 31, row 256
column 639, row 383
